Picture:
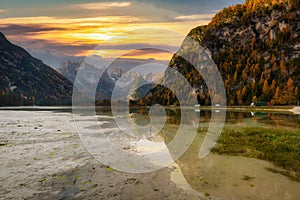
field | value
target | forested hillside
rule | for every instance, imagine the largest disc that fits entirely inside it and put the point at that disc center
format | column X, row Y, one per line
column 256, row 47
column 25, row 80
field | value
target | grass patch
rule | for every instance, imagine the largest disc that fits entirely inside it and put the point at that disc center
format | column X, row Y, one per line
column 89, row 182
column 42, row 180
column 281, row 147
column 109, row 168
column 206, row 194
column 247, row 178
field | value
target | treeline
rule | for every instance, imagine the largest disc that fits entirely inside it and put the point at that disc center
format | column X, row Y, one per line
column 244, row 11
column 257, row 58
column 249, row 76
column 263, row 68
column 8, row 98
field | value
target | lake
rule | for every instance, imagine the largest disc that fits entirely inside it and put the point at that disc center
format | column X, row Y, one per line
column 254, row 156
column 233, row 173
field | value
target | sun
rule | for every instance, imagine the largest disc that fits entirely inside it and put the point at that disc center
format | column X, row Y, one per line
column 94, row 36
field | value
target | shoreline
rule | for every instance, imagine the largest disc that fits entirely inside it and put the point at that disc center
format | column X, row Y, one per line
column 42, row 157
column 276, row 109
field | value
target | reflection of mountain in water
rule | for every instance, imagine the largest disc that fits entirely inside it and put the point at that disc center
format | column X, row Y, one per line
column 221, row 175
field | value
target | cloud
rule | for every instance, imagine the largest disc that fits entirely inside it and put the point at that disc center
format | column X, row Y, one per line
column 103, row 5
column 145, row 51
column 204, row 17
column 54, row 53
column 48, row 45
column 53, row 58
column 190, row 7
column 116, row 30
column 72, row 21
column 59, row 30
column 198, row 17
column 14, row 29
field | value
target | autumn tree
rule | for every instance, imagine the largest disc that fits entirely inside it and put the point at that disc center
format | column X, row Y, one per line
column 297, row 93
column 254, row 99
column 239, row 97
column 283, row 71
column 235, row 77
column 291, row 96
column 266, row 90
column 274, row 67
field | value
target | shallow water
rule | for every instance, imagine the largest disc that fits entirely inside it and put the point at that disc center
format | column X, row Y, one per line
column 216, row 176
column 220, row 176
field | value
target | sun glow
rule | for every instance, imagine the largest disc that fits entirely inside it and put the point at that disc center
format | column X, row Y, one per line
column 94, row 36
column 133, row 54
column 115, row 34
column 103, row 5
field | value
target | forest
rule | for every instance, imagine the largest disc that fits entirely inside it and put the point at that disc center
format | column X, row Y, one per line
column 256, row 49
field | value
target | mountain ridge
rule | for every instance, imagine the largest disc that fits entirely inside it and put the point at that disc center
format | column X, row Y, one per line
column 26, row 80
column 256, row 50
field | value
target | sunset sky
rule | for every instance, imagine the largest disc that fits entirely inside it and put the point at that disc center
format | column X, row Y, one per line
column 56, row 29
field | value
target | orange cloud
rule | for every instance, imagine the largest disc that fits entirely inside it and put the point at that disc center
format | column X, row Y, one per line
column 195, row 17
column 103, row 5
column 112, row 33
column 133, row 54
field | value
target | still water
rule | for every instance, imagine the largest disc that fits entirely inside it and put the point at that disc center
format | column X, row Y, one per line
column 154, row 137
column 217, row 176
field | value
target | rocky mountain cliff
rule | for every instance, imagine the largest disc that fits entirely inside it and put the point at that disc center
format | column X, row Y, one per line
column 256, row 47
column 25, row 80
column 106, row 84
column 116, row 77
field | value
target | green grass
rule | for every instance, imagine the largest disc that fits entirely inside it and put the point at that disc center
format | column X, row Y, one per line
column 109, row 168
column 281, row 147
column 271, row 109
column 247, row 178
column 206, row 194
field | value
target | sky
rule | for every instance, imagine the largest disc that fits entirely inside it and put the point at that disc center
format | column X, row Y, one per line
column 58, row 30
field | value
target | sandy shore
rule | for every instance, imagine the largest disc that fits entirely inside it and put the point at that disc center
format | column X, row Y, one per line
column 41, row 157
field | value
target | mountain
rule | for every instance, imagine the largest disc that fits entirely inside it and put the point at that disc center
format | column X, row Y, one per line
column 133, row 85
column 256, row 47
column 89, row 78
column 118, row 76
column 25, row 80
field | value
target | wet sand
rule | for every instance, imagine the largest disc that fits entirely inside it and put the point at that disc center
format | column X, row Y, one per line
column 41, row 157
column 236, row 177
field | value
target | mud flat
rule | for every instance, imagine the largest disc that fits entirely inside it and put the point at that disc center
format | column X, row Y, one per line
column 237, row 177
column 41, row 157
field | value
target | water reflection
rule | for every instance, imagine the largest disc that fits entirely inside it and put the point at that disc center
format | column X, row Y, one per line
column 266, row 119
column 235, row 177
column 227, row 177
column 127, row 141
